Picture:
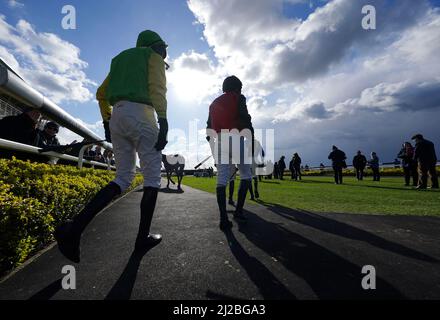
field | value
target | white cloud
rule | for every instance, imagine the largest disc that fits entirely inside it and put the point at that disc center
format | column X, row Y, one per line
column 15, row 4
column 49, row 63
column 253, row 39
column 193, row 77
column 400, row 96
column 324, row 78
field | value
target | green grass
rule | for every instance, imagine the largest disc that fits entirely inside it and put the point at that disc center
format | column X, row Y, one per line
column 320, row 194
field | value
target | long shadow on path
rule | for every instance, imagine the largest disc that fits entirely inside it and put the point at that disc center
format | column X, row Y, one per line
column 268, row 285
column 124, row 286
column 329, row 275
column 48, row 292
column 341, row 229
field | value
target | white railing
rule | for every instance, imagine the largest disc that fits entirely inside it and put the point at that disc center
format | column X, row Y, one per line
column 14, row 86
column 15, row 146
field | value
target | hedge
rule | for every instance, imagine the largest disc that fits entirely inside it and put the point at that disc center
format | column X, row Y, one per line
column 35, row 198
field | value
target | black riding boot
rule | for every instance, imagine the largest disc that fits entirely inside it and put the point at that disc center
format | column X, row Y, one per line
column 251, row 191
column 257, row 194
column 144, row 238
column 231, row 192
column 221, row 201
column 242, row 191
column 68, row 234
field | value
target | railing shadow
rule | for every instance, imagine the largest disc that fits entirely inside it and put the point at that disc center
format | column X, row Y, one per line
column 329, row 275
column 48, row 292
column 268, row 285
column 331, row 226
column 359, row 185
column 123, row 287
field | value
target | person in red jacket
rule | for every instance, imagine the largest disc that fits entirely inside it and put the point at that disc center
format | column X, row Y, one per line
column 228, row 124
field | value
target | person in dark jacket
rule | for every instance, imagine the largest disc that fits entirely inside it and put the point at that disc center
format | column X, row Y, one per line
column 21, row 128
column 359, row 164
column 99, row 157
column 409, row 165
column 292, row 170
column 338, row 162
column 276, row 170
column 48, row 136
column 374, row 165
column 295, row 167
column 426, row 158
column 281, row 167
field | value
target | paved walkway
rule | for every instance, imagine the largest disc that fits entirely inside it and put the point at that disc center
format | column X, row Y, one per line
column 278, row 254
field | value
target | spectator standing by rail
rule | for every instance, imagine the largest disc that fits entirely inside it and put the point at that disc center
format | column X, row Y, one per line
column 374, row 165
column 426, row 158
column 359, row 164
column 297, row 167
column 338, row 163
column 276, row 170
column 281, row 167
column 48, row 136
column 409, row 165
column 21, row 128
column 99, row 157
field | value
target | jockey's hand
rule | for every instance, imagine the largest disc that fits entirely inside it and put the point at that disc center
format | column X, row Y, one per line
column 162, row 138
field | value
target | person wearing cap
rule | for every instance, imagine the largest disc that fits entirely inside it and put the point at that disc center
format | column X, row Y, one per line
column 48, row 136
column 229, row 123
column 338, row 162
column 426, row 158
column 359, row 164
column 134, row 90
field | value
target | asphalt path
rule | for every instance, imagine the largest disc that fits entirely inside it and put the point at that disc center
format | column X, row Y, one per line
column 279, row 253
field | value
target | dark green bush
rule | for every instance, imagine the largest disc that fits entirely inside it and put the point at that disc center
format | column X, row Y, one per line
column 35, row 198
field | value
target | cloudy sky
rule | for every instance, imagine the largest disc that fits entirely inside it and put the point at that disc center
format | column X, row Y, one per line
column 309, row 69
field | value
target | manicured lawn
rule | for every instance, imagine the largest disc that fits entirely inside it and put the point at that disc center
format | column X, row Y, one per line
column 320, row 194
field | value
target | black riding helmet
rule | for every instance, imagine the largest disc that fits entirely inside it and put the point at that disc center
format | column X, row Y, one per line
column 232, row 84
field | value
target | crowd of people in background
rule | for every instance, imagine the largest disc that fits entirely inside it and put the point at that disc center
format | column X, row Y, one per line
column 418, row 163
